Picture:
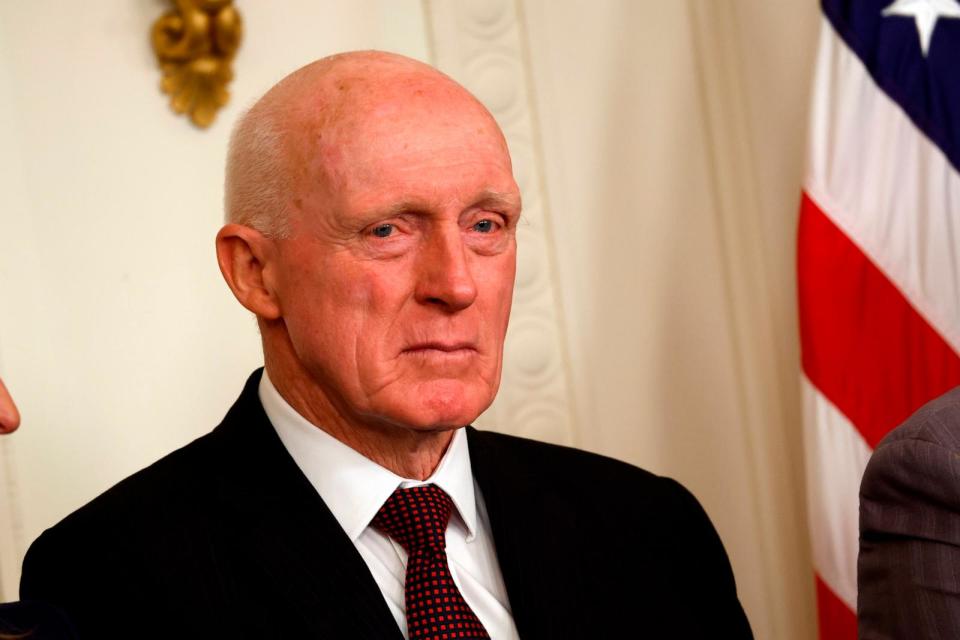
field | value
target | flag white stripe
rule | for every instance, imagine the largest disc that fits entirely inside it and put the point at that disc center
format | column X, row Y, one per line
column 836, row 455
column 885, row 184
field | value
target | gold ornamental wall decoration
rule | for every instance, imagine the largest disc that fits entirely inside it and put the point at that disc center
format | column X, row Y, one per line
column 195, row 44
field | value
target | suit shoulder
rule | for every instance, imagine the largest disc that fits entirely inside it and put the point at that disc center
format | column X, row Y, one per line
column 175, row 481
column 650, row 525
column 184, row 479
column 545, row 454
column 577, row 471
column 937, row 422
column 178, row 471
column 924, row 447
column 913, row 471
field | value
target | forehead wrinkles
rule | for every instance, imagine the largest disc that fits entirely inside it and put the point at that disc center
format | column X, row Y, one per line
column 348, row 122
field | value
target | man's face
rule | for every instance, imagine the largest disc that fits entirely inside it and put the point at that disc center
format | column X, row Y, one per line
column 395, row 286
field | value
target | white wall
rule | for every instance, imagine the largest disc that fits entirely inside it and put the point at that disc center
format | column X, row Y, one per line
column 118, row 338
column 673, row 146
column 660, row 149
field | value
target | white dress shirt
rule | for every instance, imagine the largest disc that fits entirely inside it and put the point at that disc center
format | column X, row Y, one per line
column 354, row 488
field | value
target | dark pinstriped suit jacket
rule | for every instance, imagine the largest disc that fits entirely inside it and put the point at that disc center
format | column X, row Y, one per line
column 227, row 538
column 908, row 571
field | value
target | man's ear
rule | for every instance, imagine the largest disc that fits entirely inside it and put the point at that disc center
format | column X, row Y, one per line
column 245, row 255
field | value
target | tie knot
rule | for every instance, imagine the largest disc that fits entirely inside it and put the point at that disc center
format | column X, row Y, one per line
column 416, row 517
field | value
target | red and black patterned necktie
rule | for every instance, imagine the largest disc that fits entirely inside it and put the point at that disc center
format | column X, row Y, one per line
column 417, row 519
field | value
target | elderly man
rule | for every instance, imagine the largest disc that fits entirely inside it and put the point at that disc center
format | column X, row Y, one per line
column 371, row 216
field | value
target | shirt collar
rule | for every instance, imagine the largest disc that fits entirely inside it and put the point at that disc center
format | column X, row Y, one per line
column 353, row 486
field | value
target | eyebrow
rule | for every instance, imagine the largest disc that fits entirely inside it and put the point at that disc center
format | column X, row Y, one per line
column 487, row 198
column 499, row 199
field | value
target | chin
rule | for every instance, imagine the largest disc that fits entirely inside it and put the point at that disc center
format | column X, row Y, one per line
column 446, row 404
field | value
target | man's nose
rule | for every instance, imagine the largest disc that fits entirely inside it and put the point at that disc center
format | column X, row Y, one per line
column 444, row 275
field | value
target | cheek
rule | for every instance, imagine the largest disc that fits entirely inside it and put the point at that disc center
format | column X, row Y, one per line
column 500, row 277
column 325, row 312
column 369, row 307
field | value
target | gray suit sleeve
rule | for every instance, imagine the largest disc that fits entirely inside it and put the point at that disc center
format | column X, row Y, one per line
column 909, row 564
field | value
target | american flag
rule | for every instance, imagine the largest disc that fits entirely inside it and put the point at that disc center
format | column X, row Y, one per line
column 878, row 256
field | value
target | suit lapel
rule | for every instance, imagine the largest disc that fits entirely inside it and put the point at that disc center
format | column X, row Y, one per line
column 283, row 542
column 529, row 524
column 289, row 545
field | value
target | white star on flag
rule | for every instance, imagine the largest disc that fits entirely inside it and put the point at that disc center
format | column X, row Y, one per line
column 925, row 13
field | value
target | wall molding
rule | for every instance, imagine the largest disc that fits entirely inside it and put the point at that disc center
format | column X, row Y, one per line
column 482, row 44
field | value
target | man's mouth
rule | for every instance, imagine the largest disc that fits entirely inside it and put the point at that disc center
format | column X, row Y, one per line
column 439, row 351
column 446, row 347
column 441, row 347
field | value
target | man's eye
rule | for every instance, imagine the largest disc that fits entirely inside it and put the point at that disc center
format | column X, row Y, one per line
column 383, row 230
column 484, row 226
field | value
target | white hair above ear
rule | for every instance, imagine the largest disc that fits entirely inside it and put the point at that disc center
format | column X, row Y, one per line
column 257, row 182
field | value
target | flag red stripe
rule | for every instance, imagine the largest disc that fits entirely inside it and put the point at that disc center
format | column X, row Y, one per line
column 835, row 618
column 863, row 345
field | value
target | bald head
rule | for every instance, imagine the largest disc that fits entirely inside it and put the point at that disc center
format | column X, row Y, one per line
column 371, row 227
column 294, row 134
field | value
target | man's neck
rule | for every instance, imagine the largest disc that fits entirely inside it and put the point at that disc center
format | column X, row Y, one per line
column 409, row 453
